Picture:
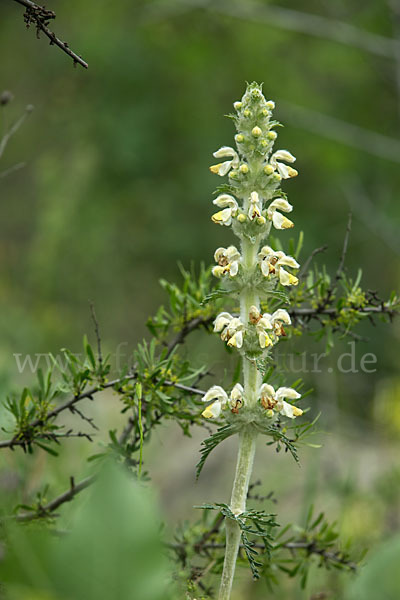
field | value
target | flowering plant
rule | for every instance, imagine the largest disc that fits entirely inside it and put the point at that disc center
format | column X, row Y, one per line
column 272, row 296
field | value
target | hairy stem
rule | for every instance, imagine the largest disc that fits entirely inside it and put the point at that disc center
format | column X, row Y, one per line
column 247, row 438
column 238, row 505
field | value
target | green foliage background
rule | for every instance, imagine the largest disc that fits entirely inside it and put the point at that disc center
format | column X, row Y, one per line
column 117, row 190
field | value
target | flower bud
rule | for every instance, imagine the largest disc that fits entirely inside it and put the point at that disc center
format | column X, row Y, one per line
column 264, row 143
column 256, row 131
column 272, row 135
column 247, row 113
column 265, row 112
column 233, row 174
column 239, row 138
column 277, row 177
column 269, row 413
column 241, row 218
column 261, row 220
column 271, row 104
column 268, row 169
column 237, row 105
column 244, row 168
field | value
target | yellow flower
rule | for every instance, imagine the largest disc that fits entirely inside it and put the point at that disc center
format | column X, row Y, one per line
column 272, row 262
column 223, row 168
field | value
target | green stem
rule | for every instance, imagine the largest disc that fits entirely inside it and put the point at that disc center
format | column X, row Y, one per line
column 244, row 466
column 247, row 438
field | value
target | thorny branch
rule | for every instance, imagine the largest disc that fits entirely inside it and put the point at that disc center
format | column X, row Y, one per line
column 205, row 545
column 339, row 272
column 49, row 509
column 115, row 383
column 305, row 266
column 97, row 332
column 187, row 328
column 40, row 17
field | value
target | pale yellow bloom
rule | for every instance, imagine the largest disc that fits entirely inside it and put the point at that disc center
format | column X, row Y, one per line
column 279, row 221
column 223, row 168
column 284, row 170
column 272, row 263
column 254, row 211
column 273, row 400
column 231, row 329
column 220, row 398
column 228, row 260
column 230, row 209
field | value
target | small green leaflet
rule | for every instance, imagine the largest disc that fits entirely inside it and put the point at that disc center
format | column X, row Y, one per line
column 212, row 442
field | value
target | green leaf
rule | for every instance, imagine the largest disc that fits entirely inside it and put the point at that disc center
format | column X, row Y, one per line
column 212, row 442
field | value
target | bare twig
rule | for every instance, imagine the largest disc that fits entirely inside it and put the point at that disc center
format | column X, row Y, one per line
column 187, row 328
column 14, row 128
column 12, row 169
column 48, row 509
column 309, row 259
column 75, row 409
column 39, row 16
column 185, row 388
column 333, row 311
column 284, row 18
column 70, row 405
column 339, row 271
column 314, row 25
column 126, row 431
column 395, row 16
column 366, row 140
column 97, row 332
column 371, row 215
column 65, row 406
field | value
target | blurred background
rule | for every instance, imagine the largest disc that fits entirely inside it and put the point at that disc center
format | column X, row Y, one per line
column 116, row 191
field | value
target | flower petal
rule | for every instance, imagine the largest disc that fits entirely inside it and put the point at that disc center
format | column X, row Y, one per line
column 285, row 392
column 216, row 392
column 219, row 271
column 237, row 393
column 225, row 151
column 279, row 204
column 213, row 410
column 281, row 315
column 221, row 321
column 280, row 221
column 288, row 261
column 223, row 217
column 267, row 391
column 264, row 264
column 264, row 340
column 287, row 278
column 219, row 253
column 282, row 155
column 224, row 200
column 265, row 322
column 287, row 410
column 234, row 268
column 232, row 253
